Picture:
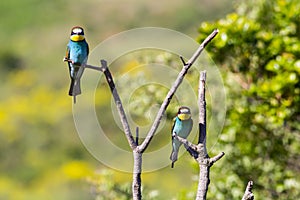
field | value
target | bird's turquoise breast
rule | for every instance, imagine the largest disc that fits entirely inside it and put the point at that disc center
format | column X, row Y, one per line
column 182, row 127
column 78, row 51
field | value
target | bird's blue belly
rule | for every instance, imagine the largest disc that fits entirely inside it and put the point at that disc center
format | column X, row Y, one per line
column 78, row 54
column 182, row 128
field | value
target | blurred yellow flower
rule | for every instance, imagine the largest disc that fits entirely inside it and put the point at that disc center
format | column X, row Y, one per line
column 77, row 169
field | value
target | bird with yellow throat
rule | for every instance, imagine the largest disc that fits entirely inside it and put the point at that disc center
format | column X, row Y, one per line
column 76, row 56
column 182, row 127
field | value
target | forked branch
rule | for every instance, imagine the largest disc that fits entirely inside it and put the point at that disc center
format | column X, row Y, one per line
column 139, row 149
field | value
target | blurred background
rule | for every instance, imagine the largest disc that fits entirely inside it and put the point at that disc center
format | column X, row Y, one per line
column 257, row 50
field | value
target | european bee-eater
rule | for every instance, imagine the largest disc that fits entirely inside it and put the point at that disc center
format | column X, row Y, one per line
column 182, row 127
column 76, row 56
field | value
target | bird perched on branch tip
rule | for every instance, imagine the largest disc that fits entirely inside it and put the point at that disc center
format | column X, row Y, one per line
column 182, row 127
column 76, row 56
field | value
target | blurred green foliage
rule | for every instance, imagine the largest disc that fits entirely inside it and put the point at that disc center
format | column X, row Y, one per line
column 105, row 187
column 259, row 52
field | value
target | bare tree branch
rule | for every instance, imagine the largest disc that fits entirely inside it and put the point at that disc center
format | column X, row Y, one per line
column 137, row 136
column 137, row 171
column 119, row 105
column 248, row 195
column 202, row 110
column 203, row 180
column 216, row 158
column 137, row 156
column 186, row 143
column 203, row 158
column 202, row 46
column 94, row 67
column 173, row 89
column 86, row 65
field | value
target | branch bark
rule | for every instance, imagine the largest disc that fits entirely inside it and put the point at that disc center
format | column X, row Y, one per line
column 204, row 161
column 119, row 105
column 248, row 195
column 136, row 179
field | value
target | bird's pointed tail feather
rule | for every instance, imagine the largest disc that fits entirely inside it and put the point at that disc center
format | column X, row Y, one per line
column 173, row 157
column 75, row 88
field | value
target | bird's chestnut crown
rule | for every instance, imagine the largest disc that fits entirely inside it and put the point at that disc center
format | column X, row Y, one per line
column 77, row 30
